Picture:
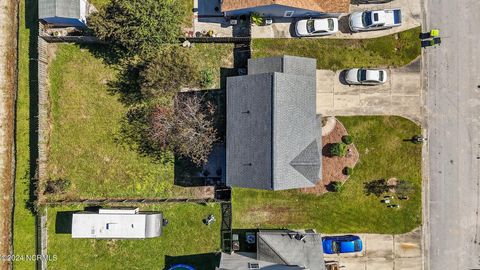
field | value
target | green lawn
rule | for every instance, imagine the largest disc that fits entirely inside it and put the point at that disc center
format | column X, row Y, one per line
column 394, row 50
column 84, row 142
column 183, row 240
column 188, row 15
column 383, row 154
column 218, row 58
column 24, row 221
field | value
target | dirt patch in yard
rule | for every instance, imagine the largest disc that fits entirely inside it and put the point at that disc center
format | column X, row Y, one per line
column 332, row 167
column 271, row 214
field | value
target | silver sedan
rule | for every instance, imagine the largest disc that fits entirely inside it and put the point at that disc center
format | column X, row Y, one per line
column 365, row 76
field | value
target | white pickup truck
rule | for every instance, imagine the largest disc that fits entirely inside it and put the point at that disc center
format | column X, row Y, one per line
column 375, row 19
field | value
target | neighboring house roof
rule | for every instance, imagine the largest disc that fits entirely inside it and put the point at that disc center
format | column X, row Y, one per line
column 241, row 260
column 291, row 248
column 61, row 8
column 116, row 224
column 325, row 6
column 280, row 250
column 273, row 132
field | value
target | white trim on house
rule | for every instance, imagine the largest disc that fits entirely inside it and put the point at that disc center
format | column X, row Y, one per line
column 288, row 13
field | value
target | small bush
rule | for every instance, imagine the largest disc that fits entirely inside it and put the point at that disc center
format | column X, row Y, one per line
column 347, row 139
column 338, row 149
column 59, row 186
column 347, row 171
column 336, row 186
column 257, row 19
column 206, row 78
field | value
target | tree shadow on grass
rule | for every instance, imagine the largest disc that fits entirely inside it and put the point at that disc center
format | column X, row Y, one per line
column 375, row 187
column 31, row 15
column 326, row 150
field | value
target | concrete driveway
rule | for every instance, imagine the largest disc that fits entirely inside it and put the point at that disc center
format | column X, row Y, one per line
column 411, row 16
column 401, row 95
column 384, row 252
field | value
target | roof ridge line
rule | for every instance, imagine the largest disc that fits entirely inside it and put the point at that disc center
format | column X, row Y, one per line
column 274, row 251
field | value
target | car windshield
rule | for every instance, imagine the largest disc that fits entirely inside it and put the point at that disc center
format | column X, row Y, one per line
column 380, row 76
column 330, row 24
column 367, row 18
column 356, row 246
column 310, row 26
column 362, row 75
column 335, row 247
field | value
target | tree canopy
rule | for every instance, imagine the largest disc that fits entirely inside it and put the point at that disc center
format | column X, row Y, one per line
column 170, row 69
column 138, row 27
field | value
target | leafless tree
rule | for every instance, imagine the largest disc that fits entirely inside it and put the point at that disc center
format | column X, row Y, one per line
column 194, row 129
column 161, row 123
column 187, row 129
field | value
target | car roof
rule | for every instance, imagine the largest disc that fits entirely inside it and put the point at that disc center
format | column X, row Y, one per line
column 321, row 24
column 373, row 75
column 347, row 246
column 379, row 17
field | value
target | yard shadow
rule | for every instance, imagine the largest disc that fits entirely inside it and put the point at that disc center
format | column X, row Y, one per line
column 31, row 15
column 63, row 222
column 291, row 29
column 241, row 54
column 127, row 85
column 341, row 77
column 375, row 187
column 343, row 25
column 242, row 239
column 224, row 74
column 187, row 174
column 205, row 261
column 326, row 150
column 106, row 52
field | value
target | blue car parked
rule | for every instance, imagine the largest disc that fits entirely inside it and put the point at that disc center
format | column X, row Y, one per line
column 341, row 244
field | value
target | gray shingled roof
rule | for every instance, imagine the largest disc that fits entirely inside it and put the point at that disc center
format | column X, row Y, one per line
column 273, row 133
column 59, row 8
column 287, row 247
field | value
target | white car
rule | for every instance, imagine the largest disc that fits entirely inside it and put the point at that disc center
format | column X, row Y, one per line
column 365, row 76
column 375, row 19
column 316, row 27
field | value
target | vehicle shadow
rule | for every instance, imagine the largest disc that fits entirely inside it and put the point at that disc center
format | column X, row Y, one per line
column 343, row 25
column 341, row 77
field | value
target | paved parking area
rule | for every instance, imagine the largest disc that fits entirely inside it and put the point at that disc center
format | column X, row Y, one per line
column 384, row 252
column 411, row 16
column 400, row 95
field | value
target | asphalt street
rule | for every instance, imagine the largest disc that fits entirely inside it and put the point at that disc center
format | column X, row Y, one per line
column 453, row 109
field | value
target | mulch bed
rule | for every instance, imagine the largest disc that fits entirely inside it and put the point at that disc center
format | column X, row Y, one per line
column 332, row 167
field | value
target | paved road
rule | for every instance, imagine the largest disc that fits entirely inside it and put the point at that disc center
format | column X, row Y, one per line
column 384, row 252
column 453, row 103
column 400, row 95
